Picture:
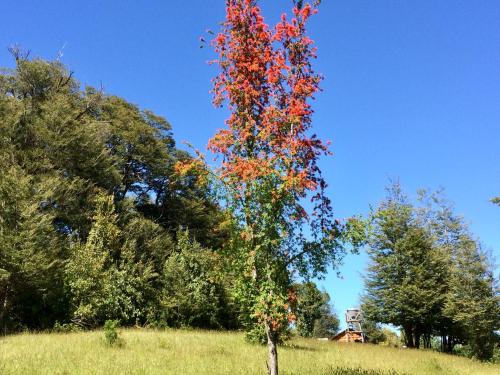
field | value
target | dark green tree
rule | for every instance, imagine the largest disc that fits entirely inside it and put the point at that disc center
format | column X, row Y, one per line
column 328, row 323
column 469, row 279
column 373, row 331
column 31, row 253
column 405, row 283
column 472, row 301
column 313, row 312
column 193, row 291
column 63, row 148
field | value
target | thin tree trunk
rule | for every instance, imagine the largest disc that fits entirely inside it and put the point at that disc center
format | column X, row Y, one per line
column 427, row 340
column 4, row 307
column 449, row 348
column 4, row 302
column 417, row 339
column 408, row 337
column 272, row 349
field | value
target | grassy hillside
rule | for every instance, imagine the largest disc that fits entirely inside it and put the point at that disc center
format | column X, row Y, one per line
column 195, row 352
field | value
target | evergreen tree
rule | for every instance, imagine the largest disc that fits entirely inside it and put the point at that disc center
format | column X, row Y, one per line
column 429, row 276
column 473, row 301
column 62, row 149
column 194, row 293
column 405, row 283
column 106, row 277
column 31, row 253
column 314, row 316
column 90, row 268
column 328, row 323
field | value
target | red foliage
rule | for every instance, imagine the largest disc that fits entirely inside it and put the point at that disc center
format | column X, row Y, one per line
column 267, row 80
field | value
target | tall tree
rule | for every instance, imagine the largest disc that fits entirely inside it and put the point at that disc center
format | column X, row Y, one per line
column 32, row 253
column 193, row 292
column 269, row 164
column 314, row 316
column 470, row 313
column 429, row 275
column 405, row 284
column 106, row 277
column 61, row 148
column 473, row 302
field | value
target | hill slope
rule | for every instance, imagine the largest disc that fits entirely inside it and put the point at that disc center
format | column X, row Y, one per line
column 198, row 352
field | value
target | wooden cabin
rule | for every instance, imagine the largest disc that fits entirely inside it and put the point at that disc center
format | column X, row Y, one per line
column 349, row 335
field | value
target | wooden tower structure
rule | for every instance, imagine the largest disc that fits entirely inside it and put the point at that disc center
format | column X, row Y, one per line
column 354, row 330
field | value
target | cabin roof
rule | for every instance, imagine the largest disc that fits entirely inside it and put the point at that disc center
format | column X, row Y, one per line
column 343, row 332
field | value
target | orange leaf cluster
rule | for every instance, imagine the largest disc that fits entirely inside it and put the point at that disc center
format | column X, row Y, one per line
column 267, row 80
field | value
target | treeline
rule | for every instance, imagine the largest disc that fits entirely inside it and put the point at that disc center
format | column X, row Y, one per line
column 429, row 276
column 96, row 224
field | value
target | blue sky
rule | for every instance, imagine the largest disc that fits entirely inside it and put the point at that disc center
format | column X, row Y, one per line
column 411, row 90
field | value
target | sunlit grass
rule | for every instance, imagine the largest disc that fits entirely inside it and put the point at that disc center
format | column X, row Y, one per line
column 200, row 352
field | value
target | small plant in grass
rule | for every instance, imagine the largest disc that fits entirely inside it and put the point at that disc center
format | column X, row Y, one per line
column 111, row 334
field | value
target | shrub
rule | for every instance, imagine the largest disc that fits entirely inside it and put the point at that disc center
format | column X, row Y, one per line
column 110, row 332
column 66, row 327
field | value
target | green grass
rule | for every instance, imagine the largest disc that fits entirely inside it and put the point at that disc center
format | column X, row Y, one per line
column 201, row 352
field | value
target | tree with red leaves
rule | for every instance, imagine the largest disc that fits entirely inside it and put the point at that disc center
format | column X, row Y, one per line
column 269, row 168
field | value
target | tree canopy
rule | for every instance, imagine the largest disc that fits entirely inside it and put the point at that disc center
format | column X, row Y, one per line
column 90, row 202
column 429, row 276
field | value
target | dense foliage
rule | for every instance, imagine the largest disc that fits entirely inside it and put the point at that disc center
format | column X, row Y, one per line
column 96, row 224
column 429, row 276
column 314, row 314
column 90, row 205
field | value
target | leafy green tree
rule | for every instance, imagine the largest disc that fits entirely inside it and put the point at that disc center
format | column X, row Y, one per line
column 108, row 280
column 472, row 301
column 61, row 149
column 89, row 271
column 31, row 253
column 308, row 310
column 328, row 323
column 469, row 268
column 374, row 332
column 429, row 276
column 405, row 284
column 193, row 292
column 314, row 317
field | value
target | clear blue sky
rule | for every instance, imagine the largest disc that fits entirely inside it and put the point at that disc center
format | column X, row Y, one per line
column 412, row 89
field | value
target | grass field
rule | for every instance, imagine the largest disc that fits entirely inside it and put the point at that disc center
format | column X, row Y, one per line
column 200, row 352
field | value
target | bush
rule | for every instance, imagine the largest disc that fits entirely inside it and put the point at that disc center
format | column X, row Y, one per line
column 66, row 327
column 110, row 332
column 496, row 355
